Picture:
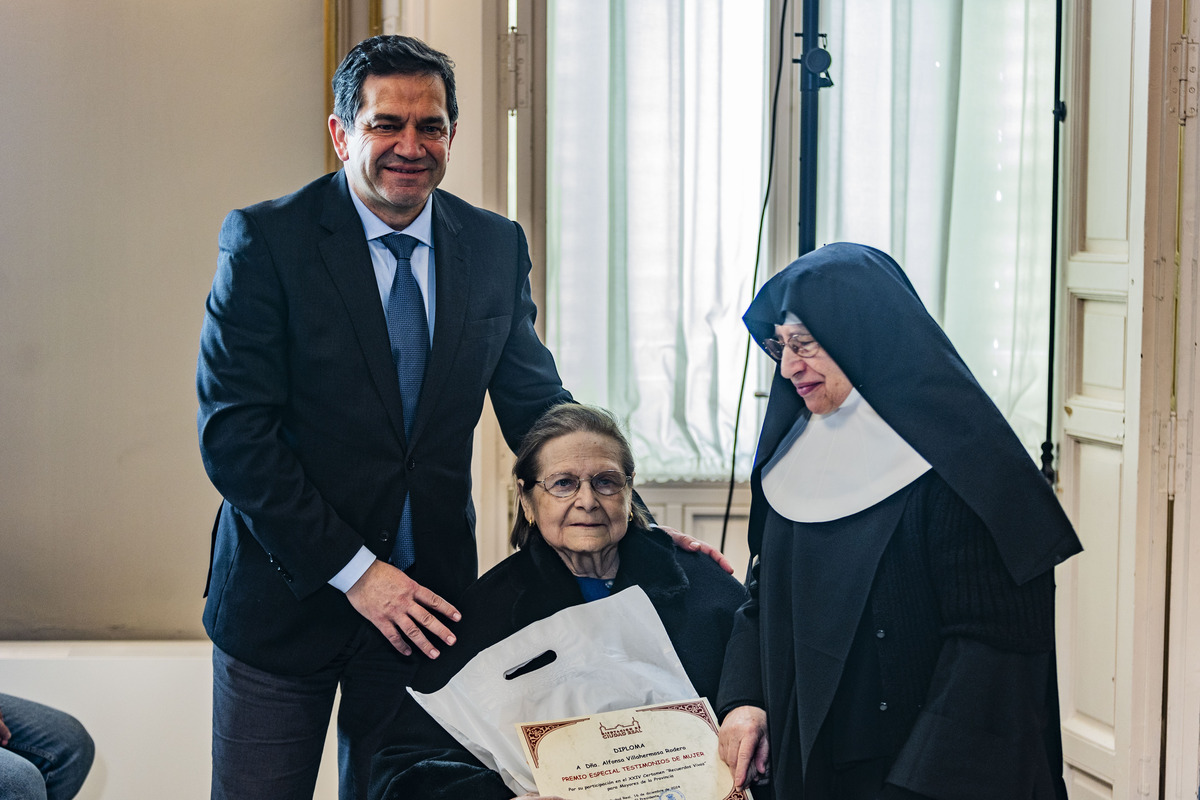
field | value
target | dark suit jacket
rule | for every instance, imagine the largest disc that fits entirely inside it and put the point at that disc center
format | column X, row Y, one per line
column 300, row 421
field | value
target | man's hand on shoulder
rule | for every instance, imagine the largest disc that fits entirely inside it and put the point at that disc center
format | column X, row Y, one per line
column 685, row 542
column 402, row 609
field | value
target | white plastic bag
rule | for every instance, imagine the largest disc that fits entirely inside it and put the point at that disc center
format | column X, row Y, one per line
column 610, row 654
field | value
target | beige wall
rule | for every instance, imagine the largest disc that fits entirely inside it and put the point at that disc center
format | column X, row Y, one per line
column 130, row 127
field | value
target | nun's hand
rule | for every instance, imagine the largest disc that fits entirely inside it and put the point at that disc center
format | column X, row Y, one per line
column 743, row 745
column 685, row 542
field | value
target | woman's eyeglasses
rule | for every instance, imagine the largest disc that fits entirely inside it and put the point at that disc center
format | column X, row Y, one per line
column 564, row 484
column 802, row 345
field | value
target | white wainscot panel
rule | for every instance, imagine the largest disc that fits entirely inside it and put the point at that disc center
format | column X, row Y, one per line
column 705, row 522
column 1099, row 275
column 1094, row 420
column 147, row 705
column 1081, row 786
column 1090, row 580
column 699, row 510
column 1108, row 101
column 1102, row 362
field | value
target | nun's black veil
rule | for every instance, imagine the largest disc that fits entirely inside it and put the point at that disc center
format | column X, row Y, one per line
column 861, row 308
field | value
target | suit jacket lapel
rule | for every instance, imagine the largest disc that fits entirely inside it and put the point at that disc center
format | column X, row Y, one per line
column 451, row 258
column 348, row 260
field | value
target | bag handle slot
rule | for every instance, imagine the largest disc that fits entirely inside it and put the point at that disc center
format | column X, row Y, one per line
column 537, row 662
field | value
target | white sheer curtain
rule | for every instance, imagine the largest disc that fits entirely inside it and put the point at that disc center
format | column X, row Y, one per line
column 936, row 146
column 656, row 162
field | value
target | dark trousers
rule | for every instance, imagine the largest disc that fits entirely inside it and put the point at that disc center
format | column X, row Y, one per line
column 269, row 730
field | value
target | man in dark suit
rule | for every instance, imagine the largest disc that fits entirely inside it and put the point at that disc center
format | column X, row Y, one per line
column 347, row 508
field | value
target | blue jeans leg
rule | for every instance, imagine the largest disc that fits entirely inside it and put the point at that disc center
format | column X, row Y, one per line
column 55, row 743
column 19, row 778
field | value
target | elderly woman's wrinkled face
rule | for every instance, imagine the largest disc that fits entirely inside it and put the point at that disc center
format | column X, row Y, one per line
column 817, row 378
column 587, row 522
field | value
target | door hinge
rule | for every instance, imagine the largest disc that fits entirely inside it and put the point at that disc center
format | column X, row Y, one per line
column 1179, row 455
column 1181, row 452
column 1184, row 81
column 514, row 67
column 1172, row 434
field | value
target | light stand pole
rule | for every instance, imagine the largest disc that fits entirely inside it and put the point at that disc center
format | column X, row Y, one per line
column 1060, row 116
column 814, row 76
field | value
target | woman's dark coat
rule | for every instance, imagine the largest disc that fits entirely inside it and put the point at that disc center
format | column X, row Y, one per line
column 918, row 631
column 694, row 598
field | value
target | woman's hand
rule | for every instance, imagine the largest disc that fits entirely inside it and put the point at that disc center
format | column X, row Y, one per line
column 743, row 744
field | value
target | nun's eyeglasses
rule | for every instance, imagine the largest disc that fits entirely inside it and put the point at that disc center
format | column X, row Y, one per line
column 564, row 484
column 800, row 344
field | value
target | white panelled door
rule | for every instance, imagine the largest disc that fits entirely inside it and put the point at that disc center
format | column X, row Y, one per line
column 1112, row 600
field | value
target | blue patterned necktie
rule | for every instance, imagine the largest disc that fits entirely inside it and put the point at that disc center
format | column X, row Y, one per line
column 408, row 330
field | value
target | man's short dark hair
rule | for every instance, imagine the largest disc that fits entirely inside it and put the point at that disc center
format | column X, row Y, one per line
column 388, row 55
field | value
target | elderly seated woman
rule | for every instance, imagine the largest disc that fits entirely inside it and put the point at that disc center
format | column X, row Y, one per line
column 580, row 537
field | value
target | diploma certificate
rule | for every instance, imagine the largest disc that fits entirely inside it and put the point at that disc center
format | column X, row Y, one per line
column 660, row 752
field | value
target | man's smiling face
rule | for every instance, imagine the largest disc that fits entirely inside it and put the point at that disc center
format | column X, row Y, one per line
column 397, row 150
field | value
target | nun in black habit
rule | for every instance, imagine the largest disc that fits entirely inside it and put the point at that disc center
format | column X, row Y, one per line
column 899, row 639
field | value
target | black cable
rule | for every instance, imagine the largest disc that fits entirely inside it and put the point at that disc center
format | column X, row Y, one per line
column 757, row 259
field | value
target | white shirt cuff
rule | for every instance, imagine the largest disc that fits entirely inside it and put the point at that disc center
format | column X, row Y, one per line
column 353, row 571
